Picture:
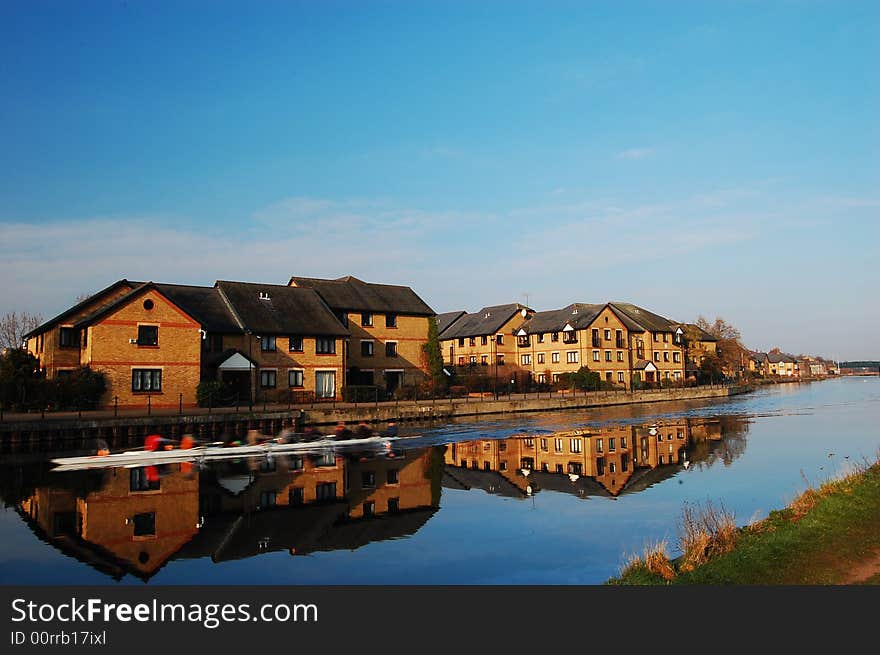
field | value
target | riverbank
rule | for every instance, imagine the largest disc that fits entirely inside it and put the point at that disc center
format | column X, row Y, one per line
column 331, row 413
column 828, row 535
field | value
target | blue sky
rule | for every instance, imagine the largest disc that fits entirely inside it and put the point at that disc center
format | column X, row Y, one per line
column 714, row 158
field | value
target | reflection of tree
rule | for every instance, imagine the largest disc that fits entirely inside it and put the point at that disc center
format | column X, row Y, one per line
column 18, row 482
column 729, row 445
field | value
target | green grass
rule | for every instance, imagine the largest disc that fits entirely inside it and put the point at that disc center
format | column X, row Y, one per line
column 817, row 540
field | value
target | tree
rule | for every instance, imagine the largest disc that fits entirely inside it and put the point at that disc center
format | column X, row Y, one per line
column 433, row 355
column 20, row 378
column 732, row 354
column 583, row 379
column 711, row 369
column 14, row 326
column 720, row 329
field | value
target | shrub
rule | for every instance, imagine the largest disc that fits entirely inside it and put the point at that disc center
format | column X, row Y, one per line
column 209, row 392
column 705, row 532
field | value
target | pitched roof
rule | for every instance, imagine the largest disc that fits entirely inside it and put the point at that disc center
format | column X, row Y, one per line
column 579, row 315
column 119, row 302
column 205, row 304
column 486, row 321
column 119, row 284
column 446, row 319
column 642, row 319
column 351, row 294
column 703, row 335
column 776, row 358
column 278, row 309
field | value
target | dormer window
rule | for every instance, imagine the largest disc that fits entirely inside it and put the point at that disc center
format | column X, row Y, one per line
column 391, row 320
column 264, row 295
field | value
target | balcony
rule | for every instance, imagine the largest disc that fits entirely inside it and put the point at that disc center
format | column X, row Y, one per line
column 523, row 342
column 569, row 338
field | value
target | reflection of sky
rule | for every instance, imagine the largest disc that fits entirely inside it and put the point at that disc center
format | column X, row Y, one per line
column 551, row 538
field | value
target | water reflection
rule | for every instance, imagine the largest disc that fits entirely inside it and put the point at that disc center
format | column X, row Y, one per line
column 135, row 520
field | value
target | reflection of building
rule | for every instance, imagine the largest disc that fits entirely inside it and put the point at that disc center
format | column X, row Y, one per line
column 602, row 461
column 139, row 519
column 133, row 524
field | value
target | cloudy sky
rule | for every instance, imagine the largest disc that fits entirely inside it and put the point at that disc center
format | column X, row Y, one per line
column 696, row 158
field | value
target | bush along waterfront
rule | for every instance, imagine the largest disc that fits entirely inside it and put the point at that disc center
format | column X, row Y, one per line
column 828, row 535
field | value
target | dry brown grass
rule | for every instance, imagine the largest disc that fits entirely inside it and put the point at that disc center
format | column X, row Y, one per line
column 704, row 532
column 653, row 559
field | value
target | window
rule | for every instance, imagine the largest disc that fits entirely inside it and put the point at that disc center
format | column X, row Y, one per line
column 473, row 359
column 67, row 337
column 366, row 348
column 268, row 498
column 343, row 318
column 500, row 360
column 526, row 360
column 676, row 357
column 325, row 384
column 556, row 377
column 461, row 360
column 148, row 335
column 484, row 340
column 665, row 337
column 620, row 376
column 569, row 337
column 472, row 342
column 571, row 357
column 146, row 379
column 295, row 344
column 677, row 375
column 607, row 334
column 619, row 355
column 540, row 358
column 656, row 357
column 368, row 480
column 267, row 379
column 624, row 463
column 267, row 344
column 529, row 442
column 607, row 355
column 294, row 463
column 608, row 376
column 541, row 338
column 656, row 337
column 366, row 319
column 325, row 491
column 393, row 477
column 541, row 377
column 484, row 360
column 144, row 524
column 599, row 445
column 612, row 467
column 140, row 480
column 325, row 346
column 295, row 496
column 554, row 336
column 559, row 468
column 325, row 459
column 393, row 505
column 527, row 463
column 576, row 445
column 595, row 337
column 544, row 444
column 600, row 466
column 499, row 339
column 523, row 341
column 554, row 358
column 665, row 356
column 623, row 442
column 557, row 445
column 369, row 508
column 612, row 444
column 502, row 465
column 595, row 355
column 391, row 320
column 575, row 468
column 295, row 378
column 619, row 338
column 461, row 342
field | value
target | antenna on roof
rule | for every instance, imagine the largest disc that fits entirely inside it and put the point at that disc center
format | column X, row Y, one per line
column 526, row 294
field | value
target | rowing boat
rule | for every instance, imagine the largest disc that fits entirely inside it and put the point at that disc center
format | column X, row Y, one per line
column 138, row 458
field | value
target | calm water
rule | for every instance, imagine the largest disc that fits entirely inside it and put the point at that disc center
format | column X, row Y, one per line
column 480, row 502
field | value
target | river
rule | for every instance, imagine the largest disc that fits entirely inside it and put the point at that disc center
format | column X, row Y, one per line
column 551, row 498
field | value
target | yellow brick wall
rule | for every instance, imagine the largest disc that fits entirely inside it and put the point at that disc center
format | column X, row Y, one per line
column 457, row 355
column 177, row 355
column 410, row 334
column 283, row 360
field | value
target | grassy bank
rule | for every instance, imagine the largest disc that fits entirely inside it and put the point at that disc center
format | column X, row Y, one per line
column 828, row 535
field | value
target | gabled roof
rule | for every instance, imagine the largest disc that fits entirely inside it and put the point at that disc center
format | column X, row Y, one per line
column 578, row 315
column 776, row 358
column 78, row 307
column 484, row 322
column 351, row 294
column 120, row 302
column 278, row 309
column 639, row 319
column 446, row 319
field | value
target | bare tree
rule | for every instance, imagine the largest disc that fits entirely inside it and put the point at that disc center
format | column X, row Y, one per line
column 720, row 329
column 14, row 326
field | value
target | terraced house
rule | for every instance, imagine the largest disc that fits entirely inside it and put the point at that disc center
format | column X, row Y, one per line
column 486, row 337
column 155, row 342
column 622, row 342
column 388, row 327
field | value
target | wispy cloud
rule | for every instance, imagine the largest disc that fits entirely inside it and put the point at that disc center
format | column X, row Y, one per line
column 634, row 153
